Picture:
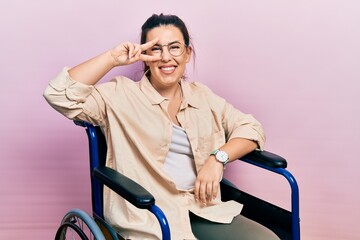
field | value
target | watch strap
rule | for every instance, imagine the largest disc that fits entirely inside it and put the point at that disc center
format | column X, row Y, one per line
column 213, row 153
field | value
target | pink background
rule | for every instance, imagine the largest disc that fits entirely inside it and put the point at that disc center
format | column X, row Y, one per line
column 294, row 64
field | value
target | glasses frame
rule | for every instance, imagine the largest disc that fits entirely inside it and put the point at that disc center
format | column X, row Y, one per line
column 168, row 48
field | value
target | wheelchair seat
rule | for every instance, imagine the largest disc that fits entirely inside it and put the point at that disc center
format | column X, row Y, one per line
column 77, row 224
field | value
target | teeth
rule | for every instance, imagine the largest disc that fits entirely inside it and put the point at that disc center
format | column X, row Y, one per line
column 167, row 68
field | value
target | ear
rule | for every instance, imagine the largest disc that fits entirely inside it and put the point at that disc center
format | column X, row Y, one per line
column 188, row 53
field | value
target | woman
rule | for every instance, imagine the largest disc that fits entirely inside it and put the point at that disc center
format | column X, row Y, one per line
column 171, row 136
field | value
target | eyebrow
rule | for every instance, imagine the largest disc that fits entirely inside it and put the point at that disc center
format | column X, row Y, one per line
column 157, row 44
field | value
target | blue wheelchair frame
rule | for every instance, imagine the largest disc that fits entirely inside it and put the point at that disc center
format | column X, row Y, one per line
column 295, row 216
column 108, row 176
column 263, row 212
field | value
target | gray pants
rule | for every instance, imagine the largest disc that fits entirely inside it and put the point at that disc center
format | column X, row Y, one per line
column 241, row 228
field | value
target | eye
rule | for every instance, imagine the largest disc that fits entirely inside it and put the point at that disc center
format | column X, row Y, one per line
column 155, row 49
column 174, row 46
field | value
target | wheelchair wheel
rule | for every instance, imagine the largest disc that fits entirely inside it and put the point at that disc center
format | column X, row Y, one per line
column 106, row 229
column 69, row 230
column 77, row 225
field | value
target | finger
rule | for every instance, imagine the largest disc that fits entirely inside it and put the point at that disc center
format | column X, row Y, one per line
column 196, row 190
column 127, row 46
column 215, row 189
column 134, row 54
column 202, row 193
column 131, row 50
column 209, row 191
column 148, row 58
column 149, row 44
column 137, row 50
column 137, row 55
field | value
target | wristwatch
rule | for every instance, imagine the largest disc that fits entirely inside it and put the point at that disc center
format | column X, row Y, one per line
column 220, row 156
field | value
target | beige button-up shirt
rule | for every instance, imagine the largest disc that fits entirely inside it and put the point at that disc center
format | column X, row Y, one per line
column 138, row 131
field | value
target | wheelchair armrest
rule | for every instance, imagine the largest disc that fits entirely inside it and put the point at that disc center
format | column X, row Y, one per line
column 125, row 187
column 265, row 158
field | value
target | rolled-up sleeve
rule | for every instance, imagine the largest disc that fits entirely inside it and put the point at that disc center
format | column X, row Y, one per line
column 240, row 125
column 75, row 100
column 236, row 123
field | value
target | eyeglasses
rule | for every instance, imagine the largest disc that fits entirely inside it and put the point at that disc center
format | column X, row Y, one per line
column 175, row 49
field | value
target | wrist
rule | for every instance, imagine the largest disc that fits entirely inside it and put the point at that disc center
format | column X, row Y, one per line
column 114, row 58
column 220, row 156
column 215, row 162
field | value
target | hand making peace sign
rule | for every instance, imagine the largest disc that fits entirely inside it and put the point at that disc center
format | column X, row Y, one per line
column 128, row 53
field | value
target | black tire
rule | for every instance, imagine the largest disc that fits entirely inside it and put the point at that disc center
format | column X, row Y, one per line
column 77, row 224
column 72, row 228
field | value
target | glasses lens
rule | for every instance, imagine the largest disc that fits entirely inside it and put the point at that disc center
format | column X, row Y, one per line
column 176, row 49
column 156, row 51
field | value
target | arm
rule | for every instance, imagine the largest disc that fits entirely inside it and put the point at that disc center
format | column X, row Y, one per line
column 238, row 147
column 208, row 180
column 72, row 91
column 91, row 71
column 244, row 134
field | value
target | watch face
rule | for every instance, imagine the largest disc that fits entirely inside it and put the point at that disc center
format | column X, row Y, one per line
column 222, row 156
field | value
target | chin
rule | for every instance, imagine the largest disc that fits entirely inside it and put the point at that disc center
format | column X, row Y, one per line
column 167, row 79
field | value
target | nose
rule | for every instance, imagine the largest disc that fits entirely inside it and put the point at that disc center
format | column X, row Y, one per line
column 165, row 55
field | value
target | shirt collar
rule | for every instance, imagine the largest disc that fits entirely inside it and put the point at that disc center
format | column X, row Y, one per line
column 189, row 98
column 150, row 92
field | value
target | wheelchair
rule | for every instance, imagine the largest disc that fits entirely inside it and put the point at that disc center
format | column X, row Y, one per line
column 77, row 224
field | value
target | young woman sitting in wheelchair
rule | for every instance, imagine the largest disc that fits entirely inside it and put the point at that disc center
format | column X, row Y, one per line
column 172, row 136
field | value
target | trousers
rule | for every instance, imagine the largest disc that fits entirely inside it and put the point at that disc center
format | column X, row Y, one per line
column 241, row 228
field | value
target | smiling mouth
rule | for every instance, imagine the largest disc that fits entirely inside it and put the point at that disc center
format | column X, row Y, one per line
column 167, row 70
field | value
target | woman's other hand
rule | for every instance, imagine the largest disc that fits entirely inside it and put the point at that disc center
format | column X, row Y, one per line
column 207, row 183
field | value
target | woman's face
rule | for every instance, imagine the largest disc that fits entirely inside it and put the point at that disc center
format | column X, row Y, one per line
column 169, row 70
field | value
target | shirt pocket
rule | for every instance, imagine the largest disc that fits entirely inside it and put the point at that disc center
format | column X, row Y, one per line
column 209, row 143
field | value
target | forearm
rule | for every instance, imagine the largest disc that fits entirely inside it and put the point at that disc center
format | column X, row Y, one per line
column 91, row 71
column 207, row 181
column 238, row 147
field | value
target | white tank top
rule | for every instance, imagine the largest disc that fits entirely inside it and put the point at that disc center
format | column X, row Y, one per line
column 179, row 163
